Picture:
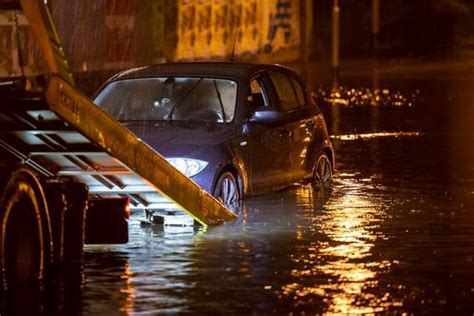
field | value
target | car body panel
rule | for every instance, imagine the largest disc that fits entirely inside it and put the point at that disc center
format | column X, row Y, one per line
column 263, row 157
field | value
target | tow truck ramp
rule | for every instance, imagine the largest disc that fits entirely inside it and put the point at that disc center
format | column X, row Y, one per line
column 63, row 134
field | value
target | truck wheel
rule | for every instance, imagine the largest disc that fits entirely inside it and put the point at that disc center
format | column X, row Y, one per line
column 21, row 239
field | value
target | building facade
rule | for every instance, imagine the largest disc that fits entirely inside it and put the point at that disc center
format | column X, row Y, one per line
column 116, row 34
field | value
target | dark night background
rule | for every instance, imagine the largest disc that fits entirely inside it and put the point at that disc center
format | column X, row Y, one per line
column 421, row 30
column 433, row 28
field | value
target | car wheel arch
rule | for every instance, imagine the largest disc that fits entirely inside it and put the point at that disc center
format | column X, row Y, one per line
column 328, row 151
column 232, row 169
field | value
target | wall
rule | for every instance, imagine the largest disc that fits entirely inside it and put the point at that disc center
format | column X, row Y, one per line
column 208, row 29
column 117, row 34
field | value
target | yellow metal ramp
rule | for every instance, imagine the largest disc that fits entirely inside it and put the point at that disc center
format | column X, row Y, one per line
column 124, row 157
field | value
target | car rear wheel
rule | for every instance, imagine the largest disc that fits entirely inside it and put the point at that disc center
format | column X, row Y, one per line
column 323, row 172
column 227, row 191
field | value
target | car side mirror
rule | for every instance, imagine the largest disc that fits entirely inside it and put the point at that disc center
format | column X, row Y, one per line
column 265, row 114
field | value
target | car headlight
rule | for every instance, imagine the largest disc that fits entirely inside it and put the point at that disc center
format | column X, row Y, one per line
column 187, row 166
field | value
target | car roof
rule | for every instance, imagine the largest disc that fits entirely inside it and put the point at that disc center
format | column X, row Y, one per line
column 218, row 69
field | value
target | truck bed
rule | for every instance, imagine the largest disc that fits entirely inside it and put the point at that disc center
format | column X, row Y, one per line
column 59, row 132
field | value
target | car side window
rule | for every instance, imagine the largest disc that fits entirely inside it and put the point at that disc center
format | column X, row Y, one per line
column 285, row 91
column 299, row 92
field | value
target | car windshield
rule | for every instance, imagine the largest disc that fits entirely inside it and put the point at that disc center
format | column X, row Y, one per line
column 170, row 99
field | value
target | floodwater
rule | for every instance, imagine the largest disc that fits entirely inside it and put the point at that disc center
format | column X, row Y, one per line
column 395, row 233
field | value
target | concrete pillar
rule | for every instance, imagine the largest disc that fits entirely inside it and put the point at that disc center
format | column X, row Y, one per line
column 303, row 40
column 375, row 28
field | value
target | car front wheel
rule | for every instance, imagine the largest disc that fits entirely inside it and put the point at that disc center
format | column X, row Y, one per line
column 323, row 172
column 227, row 191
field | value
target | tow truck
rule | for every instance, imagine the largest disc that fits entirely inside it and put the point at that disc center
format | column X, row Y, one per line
column 69, row 173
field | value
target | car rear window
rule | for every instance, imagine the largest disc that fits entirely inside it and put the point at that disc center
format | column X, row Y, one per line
column 170, row 98
column 299, row 91
column 285, row 91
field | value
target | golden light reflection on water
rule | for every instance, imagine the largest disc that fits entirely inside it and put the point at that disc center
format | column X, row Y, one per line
column 376, row 135
column 367, row 97
column 128, row 289
column 344, row 257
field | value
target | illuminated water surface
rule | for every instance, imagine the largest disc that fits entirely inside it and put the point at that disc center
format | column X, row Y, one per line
column 395, row 233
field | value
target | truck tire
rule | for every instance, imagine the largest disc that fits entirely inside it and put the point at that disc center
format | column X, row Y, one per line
column 67, row 203
column 22, row 231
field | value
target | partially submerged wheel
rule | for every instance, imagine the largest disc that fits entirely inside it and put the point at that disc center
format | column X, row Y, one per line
column 322, row 177
column 227, row 191
column 21, row 236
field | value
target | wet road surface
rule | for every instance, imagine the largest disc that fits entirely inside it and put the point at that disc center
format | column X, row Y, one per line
column 394, row 234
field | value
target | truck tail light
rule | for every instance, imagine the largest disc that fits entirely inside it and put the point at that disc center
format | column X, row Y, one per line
column 127, row 209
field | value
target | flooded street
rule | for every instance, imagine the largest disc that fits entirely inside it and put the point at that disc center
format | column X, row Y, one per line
column 395, row 233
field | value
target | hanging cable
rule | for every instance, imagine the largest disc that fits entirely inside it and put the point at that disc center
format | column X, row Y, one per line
column 232, row 58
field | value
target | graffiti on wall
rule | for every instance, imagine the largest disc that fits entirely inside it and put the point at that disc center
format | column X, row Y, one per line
column 280, row 20
column 210, row 28
column 283, row 25
column 201, row 29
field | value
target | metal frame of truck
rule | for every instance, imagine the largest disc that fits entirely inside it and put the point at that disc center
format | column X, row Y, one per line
column 65, row 161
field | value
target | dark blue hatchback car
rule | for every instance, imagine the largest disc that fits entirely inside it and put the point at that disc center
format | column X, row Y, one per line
column 236, row 129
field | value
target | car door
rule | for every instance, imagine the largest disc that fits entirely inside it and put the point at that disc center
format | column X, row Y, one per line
column 298, row 121
column 263, row 142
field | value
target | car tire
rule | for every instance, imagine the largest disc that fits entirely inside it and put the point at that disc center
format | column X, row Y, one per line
column 322, row 174
column 227, row 191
